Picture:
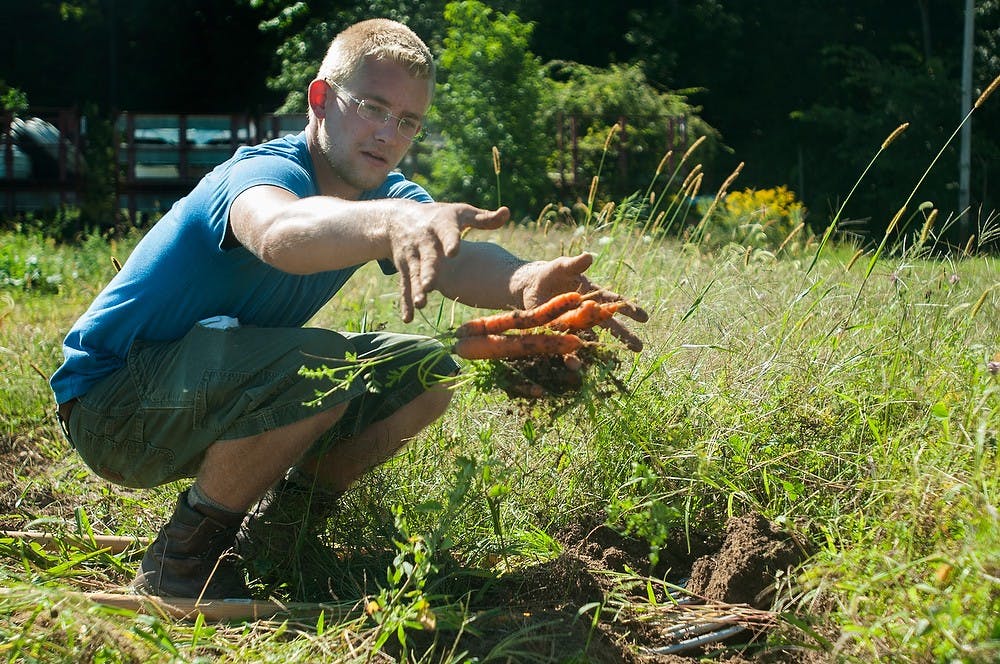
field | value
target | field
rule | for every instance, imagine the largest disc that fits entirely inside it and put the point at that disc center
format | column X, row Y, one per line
column 809, row 448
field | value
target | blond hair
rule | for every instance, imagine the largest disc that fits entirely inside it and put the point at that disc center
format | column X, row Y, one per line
column 378, row 39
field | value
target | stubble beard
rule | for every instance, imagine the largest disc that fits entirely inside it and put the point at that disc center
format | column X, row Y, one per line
column 342, row 170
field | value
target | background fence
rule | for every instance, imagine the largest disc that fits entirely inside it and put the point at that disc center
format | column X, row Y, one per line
column 159, row 157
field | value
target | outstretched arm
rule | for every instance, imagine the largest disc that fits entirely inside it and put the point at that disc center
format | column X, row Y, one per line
column 318, row 233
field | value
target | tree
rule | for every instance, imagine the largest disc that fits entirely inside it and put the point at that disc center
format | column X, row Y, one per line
column 650, row 122
column 875, row 95
column 489, row 96
column 805, row 92
column 304, row 30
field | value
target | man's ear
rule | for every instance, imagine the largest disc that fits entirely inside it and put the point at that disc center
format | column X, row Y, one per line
column 318, row 91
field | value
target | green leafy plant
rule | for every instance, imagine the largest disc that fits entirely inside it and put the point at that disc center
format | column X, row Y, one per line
column 490, row 91
column 761, row 218
column 12, row 100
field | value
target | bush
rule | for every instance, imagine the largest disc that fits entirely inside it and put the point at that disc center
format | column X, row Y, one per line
column 758, row 217
column 654, row 122
column 489, row 96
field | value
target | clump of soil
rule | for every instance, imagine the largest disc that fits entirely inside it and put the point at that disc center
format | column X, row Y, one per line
column 554, row 378
column 739, row 569
column 753, row 551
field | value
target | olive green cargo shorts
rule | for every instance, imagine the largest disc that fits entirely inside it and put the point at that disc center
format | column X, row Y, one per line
column 151, row 421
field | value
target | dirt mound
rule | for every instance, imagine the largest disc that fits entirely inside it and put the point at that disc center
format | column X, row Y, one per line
column 753, row 551
column 597, row 561
column 604, row 548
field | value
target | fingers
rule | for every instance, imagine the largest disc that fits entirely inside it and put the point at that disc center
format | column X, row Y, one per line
column 472, row 217
column 625, row 335
column 619, row 331
column 422, row 242
column 626, row 308
column 418, row 266
column 405, row 292
column 572, row 268
column 579, row 263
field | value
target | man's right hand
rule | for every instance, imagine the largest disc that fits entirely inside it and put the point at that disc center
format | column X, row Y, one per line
column 424, row 236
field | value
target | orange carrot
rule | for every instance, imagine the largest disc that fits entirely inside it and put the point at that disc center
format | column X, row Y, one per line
column 584, row 317
column 501, row 346
column 520, row 319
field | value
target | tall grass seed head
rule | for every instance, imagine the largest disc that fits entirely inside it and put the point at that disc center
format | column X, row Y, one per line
column 663, row 161
column 617, row 127
column 593, row 191
column 925, row 231
column 970, row 245
column 979, row 303
column 987, row 92
column 894, row 135
column 693, row 147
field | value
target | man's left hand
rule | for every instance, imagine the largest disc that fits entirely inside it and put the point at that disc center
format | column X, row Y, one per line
column 546, row 279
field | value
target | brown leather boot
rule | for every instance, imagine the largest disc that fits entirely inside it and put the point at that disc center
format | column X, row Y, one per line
column 192, row 557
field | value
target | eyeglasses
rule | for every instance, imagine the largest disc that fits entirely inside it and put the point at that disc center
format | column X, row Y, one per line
column 408, row 128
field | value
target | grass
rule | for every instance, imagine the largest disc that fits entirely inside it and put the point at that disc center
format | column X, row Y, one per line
column 848, row 394
column 855, row 409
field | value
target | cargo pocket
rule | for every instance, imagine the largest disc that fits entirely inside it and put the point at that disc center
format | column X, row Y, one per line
column 224, row 397
column 126, row 459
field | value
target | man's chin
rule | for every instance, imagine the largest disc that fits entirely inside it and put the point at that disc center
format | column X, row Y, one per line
column 371, row 179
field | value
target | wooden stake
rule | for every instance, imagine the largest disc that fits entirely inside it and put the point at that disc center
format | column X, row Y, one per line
column 215, row 610
column 114, row 543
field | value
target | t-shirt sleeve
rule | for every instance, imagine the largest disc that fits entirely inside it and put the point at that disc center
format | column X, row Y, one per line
column 267, row 169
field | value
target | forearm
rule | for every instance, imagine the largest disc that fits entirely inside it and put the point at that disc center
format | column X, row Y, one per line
column 308, row 235
column 483, row 274
column 319, row 233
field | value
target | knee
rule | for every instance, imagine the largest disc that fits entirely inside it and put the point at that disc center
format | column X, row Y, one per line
column 316, row 342
column 439, row 398
column 429, row 405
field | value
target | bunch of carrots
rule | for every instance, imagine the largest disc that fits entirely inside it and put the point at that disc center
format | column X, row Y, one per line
column 550, row 329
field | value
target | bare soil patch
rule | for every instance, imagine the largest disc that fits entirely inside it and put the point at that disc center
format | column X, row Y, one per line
column 20, row 458
column 734, row 573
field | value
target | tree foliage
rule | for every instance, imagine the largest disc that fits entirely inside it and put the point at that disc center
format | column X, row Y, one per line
column 489, row 95
column 788, row 86
column 592, row 100
column 304, row 30
column 874, row 96
column 12, row 100
column 805, row 92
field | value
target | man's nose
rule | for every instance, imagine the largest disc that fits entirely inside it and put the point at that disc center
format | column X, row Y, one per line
column 387, row 132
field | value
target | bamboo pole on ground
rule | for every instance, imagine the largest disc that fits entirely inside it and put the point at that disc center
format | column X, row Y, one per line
column 52, row 541
column 216, row 610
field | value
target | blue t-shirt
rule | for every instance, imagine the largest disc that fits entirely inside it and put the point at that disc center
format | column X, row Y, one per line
column 179, row 273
